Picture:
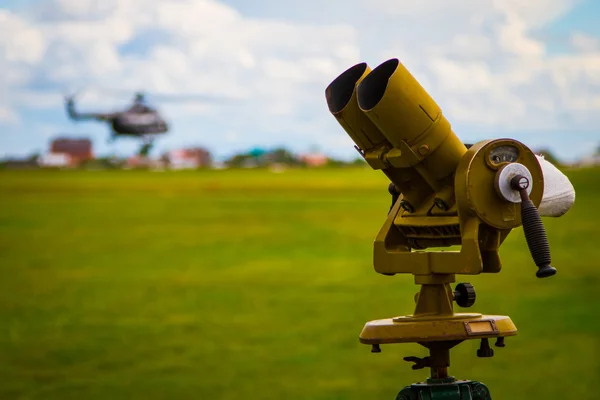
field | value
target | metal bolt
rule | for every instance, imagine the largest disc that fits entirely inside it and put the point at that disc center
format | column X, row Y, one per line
column 519, row 182
column 407, row 206
column 441, row 204
column 523, row 183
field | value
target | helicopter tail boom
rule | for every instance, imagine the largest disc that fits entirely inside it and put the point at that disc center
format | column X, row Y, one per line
column 77, row 116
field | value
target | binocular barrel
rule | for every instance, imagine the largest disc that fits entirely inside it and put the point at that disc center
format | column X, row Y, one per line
column 397, row 126
column 342, row 102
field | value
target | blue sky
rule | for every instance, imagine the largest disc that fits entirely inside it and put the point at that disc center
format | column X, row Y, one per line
column 498, row 68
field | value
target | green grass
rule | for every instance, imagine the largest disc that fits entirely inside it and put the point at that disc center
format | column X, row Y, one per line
column 249, row 284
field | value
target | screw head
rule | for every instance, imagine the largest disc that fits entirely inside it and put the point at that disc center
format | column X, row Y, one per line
column 523, row 183
column 407, row 206
column 519, row 182
column 441, row 204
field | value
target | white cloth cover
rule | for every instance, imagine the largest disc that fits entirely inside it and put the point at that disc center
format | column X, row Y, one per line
column 559, row 194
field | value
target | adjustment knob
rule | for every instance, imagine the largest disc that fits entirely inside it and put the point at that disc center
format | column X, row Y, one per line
column 464, row 295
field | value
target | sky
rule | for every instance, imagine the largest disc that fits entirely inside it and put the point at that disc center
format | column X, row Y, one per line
column 529, row 70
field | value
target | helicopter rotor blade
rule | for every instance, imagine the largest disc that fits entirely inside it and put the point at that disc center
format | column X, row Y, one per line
column 190, row 98
column 116, row 92
column 78, row 92
column 163, row 97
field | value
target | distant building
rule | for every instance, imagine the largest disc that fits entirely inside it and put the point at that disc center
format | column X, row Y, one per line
column 67, row 153
column 54, row 160
column 189, row 158
column 137, row 161
column 143, row 162
column 219, row 165
column 314, row 159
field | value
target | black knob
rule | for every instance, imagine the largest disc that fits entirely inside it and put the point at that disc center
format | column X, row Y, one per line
column 375, row 348
column 464, row 295
column 500, row 342
column 535, row 234
column 485, row 350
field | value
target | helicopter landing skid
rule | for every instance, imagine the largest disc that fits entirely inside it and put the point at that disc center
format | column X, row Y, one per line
column 147, row 144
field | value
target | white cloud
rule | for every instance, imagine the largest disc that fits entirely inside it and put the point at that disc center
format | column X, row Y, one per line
column 8, row 116
column 479, row 59
column 585, row 43
column 535, row 13
column 20, row 41
column 513, row 39
column 483, row 64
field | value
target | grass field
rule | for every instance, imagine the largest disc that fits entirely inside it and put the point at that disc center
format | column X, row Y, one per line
column 254, row 285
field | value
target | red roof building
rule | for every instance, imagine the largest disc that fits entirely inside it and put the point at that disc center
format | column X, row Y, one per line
column 189, row 158
column 77, row 150
column 314, row 159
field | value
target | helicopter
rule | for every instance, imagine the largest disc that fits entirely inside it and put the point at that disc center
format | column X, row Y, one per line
column 138, row 120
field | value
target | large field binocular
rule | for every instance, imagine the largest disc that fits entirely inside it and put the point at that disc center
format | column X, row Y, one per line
column 443, row 194
column 447, row 195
